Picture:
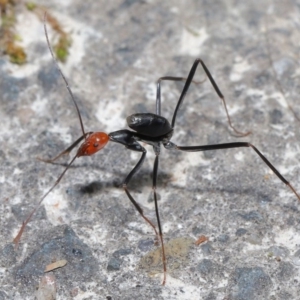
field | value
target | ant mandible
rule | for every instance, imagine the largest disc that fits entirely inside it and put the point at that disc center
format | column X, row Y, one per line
column 152, row 129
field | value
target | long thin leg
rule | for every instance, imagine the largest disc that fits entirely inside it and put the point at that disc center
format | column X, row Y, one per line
column 187, row 85
column 155, row 169
column 171, row 145
column 129, row 140
column 125, row 183
column 158, row 89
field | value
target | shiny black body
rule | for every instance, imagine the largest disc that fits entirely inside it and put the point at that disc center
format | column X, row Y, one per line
column 152, row 129
column 155, row 130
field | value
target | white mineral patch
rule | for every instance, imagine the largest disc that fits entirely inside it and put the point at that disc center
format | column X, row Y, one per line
column 191, row 42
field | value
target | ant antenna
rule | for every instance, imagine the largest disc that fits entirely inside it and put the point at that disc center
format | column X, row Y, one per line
column 83, row 150
column 18, row 237
column 63, row 76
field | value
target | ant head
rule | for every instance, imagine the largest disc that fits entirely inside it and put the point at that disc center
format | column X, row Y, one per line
column 93, row 143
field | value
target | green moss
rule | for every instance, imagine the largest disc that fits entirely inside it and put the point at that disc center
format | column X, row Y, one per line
column 16, row 54
column 62, row 48
column 30, row 6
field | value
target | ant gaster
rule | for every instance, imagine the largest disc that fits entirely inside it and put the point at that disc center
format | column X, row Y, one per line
column 154, row 130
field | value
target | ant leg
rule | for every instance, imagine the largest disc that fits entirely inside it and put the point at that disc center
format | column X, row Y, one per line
column 215, row 86
column 158, row 93
column 67, row 151
column 155, row 169
column 126, row 181
column 171, row 145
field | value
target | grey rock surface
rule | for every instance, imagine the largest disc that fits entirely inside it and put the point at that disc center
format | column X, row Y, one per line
column 119, row 50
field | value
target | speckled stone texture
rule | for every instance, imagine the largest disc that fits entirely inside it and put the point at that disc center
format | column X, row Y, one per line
column 119, row 50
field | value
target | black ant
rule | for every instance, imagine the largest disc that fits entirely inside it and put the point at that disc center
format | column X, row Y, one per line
column 152, row 129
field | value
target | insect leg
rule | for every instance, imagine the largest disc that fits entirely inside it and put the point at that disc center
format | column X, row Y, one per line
column 126, row 181
column 158, row 89
column 155, row 169
column 171, row 145
column 215, row 86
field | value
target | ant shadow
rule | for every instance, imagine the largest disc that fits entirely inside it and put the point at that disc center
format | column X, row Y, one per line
column 165, row 179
